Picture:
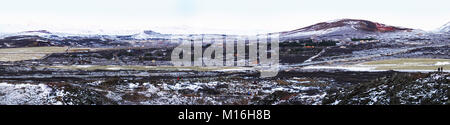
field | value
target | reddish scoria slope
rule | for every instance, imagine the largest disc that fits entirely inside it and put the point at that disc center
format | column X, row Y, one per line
column 345, row 24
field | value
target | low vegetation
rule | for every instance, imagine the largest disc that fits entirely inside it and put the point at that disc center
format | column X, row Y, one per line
column 29, row 53
column 410, row 64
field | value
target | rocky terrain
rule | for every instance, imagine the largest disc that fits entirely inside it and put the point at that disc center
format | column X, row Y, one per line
column 398, row 89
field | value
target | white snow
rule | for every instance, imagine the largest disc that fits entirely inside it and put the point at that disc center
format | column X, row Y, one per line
column 113, row 96
column 442, row 63
column 26, row 94
column 141, row 36
column 151, row 88
column 133, row 85
column 186, row 85
column 95, row 83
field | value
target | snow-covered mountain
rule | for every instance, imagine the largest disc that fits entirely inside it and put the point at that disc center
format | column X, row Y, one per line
column 47, row 38
column 149, row 34
column 47, row 34
column 342, row 28
column 42, row 33
column 445, row 28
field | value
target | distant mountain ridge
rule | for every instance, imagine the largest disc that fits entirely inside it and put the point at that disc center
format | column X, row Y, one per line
column 343, row 29
column 39, row 31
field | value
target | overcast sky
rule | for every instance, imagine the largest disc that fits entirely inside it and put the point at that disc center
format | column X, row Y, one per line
column 213, row 16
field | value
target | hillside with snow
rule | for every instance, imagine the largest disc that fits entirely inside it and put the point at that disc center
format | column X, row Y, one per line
column 445, row 28
column 343, row 28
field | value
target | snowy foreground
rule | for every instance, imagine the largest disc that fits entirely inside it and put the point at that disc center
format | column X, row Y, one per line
column 402, row 88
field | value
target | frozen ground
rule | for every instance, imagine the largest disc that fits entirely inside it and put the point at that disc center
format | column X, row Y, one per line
column 401, row 65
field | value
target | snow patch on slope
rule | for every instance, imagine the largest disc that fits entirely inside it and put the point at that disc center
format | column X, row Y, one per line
column 319, row 32
column 445, row 28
